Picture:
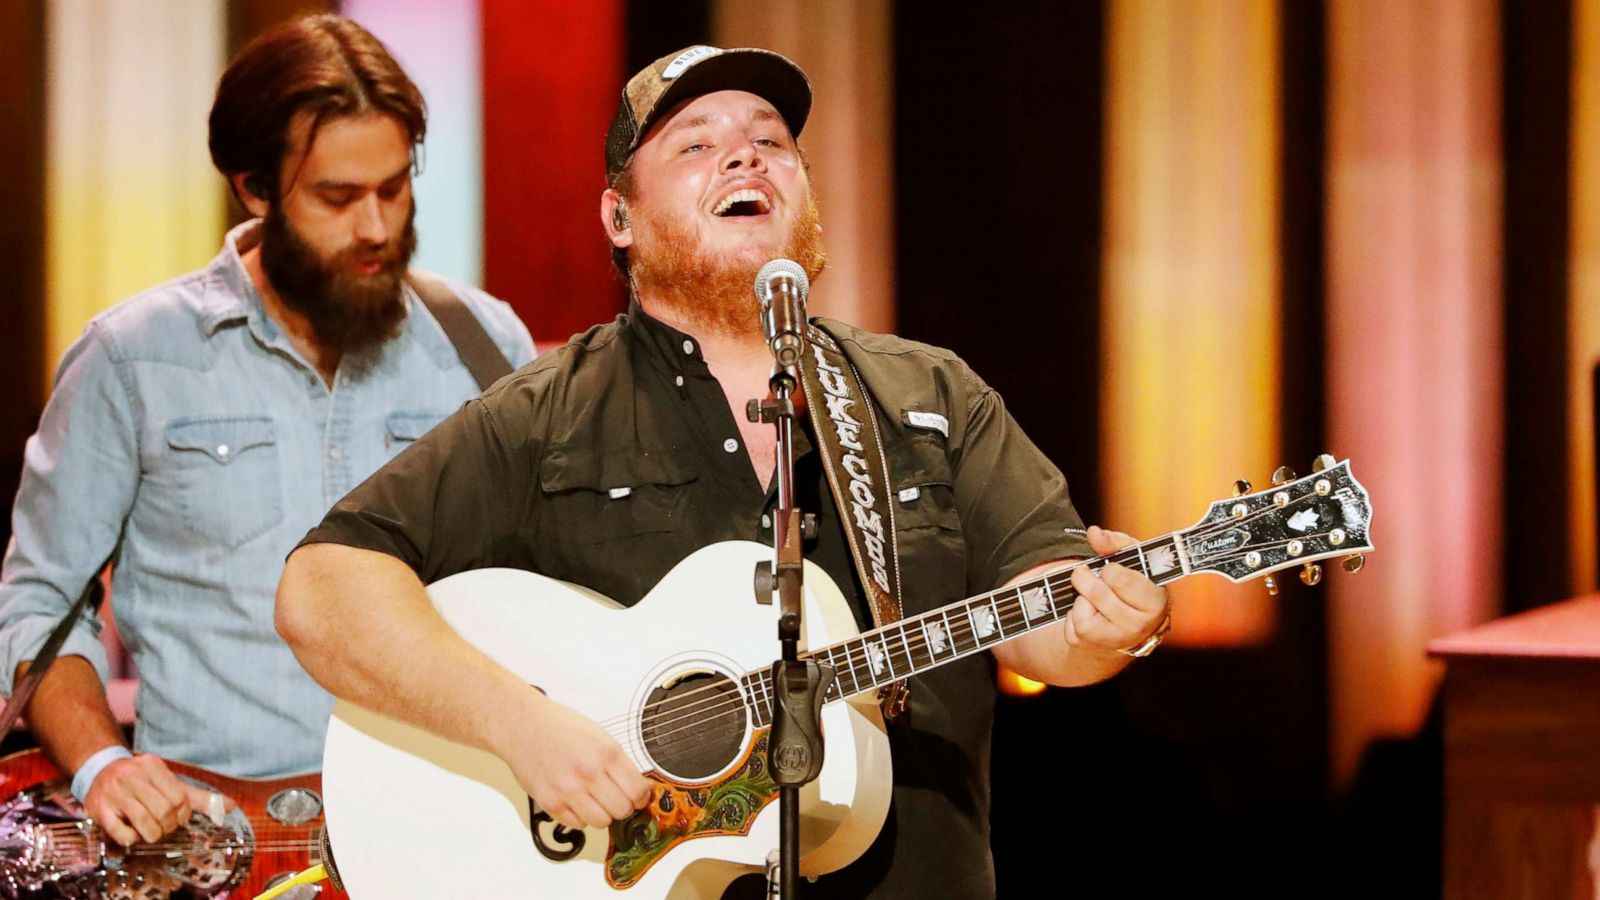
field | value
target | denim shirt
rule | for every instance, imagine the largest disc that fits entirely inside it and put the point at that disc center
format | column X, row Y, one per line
column 185, row 422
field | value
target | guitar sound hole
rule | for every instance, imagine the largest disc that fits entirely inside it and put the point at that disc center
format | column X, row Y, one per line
column 694, row 726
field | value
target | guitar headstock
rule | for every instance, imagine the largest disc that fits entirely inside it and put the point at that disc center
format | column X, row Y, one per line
column 1295, row 523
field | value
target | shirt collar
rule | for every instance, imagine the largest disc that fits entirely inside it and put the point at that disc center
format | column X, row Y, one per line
column 676, row 348
column 230, row 295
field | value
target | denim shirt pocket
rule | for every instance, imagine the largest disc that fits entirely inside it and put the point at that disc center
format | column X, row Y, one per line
column 404, row 426
column 229, row 483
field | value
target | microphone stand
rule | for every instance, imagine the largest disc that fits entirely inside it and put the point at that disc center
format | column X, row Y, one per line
column 794, row 748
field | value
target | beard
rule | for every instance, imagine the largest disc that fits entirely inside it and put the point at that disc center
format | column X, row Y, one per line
column 709, row 291
column 346, row 311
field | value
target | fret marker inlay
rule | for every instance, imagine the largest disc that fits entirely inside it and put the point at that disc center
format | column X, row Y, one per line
column 936, row 637
column 983, row 622
column 1161, row 560
column 1036, row 604
column 875, row 658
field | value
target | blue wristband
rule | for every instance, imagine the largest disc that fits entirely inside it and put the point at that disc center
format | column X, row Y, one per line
column 84, row 778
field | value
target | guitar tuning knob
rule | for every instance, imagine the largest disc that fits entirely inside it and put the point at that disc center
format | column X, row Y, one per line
column 1282, row 475
column 1272, row 586
column 1241, row 487
column 1323, row 462
column 1354, row 562
column 1311, row 575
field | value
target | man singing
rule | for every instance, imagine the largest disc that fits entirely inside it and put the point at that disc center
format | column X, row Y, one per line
column 607, row 462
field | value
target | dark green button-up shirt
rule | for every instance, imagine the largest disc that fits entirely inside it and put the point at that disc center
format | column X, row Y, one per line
column 608, row 461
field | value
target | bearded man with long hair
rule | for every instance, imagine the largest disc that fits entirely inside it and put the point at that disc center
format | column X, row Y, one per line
column 197, row 430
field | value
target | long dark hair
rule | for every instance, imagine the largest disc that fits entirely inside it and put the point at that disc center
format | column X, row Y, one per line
column 326, row 64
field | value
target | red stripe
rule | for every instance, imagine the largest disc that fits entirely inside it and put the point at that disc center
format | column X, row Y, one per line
column 552, row 74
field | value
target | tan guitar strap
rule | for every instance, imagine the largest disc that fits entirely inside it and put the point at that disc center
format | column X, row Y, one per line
column 851, row 447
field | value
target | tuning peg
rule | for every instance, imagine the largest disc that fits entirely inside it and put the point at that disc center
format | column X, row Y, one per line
column 1354, row 562
column 1282, row 475
column 1241, row 487
column 1311, row 575
column 1323, row 461
column 1272, row 586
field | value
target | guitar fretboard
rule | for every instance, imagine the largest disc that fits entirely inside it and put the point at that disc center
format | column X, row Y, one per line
column 918, row 643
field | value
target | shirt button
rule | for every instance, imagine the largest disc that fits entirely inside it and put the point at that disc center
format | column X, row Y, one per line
column 335, row 453
column 730, row 445
column 223, row 450
column 688, row 347
column 678, row 381
column 766, row 521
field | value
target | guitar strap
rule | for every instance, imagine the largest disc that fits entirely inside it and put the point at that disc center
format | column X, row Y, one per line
column 22, row 691
column 851, row 446
column 476, row 349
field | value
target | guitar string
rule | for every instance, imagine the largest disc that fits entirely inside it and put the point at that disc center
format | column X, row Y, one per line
column 77, row 828
column 1200, row 532
column 711, row 711
column 736, row 705
column 198, row 845
column 165, row 848
column 723, row 704
column 274, row 845
column 1010, row 618
column 914, row 642
column 627, row 718
column 666, row 739
column 683, row 712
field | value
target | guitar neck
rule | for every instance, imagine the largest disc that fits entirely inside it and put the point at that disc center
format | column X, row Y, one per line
column 916, row 644
column 1294, row 523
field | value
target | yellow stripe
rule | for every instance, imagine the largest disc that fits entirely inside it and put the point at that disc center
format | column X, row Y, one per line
column 1190, row 305
column 131, row 198
column 1583, row 324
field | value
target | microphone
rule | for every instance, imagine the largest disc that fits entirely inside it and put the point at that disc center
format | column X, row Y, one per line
column 782, row 286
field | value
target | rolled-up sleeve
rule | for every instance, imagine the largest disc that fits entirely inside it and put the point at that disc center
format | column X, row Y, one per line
column 79, row 477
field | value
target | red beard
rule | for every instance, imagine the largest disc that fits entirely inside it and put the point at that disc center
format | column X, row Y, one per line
column 704, row 290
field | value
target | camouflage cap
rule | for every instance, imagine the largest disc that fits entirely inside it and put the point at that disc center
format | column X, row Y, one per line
column 703, row 70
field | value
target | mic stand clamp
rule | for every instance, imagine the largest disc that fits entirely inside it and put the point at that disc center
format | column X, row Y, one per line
column 794, row 747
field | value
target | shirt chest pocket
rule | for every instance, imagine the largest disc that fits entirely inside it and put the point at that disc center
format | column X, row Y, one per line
column 927, row 521
column 404, row 427
column 603, row 496
column 227, row 475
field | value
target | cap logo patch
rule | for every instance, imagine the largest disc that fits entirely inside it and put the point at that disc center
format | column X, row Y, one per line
column 686, row 59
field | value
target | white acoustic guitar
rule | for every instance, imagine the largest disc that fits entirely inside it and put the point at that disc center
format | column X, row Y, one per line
column 682, row 680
